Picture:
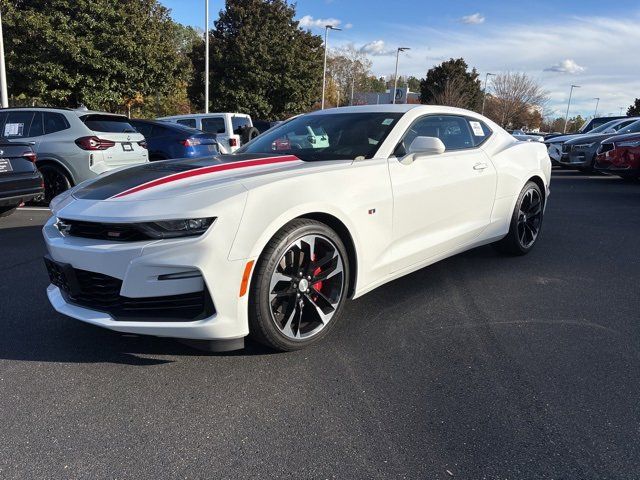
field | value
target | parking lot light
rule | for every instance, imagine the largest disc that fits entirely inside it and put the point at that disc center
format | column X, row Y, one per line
column 324, row 73
column 484, row 95
column 4, row 98
column 597, row 99
column 566, row 117
column 395, row 80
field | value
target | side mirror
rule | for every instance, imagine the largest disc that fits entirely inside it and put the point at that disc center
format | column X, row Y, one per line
column 426, row 146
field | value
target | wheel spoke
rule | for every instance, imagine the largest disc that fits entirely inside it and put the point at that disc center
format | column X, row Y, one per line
column 321, row 305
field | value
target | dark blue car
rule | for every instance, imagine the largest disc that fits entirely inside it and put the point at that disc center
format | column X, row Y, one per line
column 170, row 140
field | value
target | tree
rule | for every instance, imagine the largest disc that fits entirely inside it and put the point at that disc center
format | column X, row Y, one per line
column 634, row 109
column 514, row 96
column 451, row 84
column 104, row 54
column 348, row 68
column 262, row 63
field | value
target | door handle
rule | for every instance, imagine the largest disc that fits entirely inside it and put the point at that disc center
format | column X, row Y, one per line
column 480, row 166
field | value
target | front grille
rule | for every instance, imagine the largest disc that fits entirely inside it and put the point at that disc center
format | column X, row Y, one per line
column 566, row 148
column 102, row 293
column 118, row 232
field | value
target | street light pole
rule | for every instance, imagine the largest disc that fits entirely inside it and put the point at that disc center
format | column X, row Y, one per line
column 484, row 96
column 395, row 80
column 324, row 73
column 597, row 99
column 206, row 56
column 566, row 117
column 353, row 84
column 4, row 97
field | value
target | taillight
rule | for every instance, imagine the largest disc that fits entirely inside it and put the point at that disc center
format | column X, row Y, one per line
column 190, row 142
column 31, row 156
column 94, row 143
column 233, row 142
column 143, row 143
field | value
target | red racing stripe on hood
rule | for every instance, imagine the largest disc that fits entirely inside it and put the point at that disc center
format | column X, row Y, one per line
column 210, row 169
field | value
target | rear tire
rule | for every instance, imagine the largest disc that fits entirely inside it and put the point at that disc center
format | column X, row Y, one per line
column 56, row 181
column 526, row 222
column 299, row 286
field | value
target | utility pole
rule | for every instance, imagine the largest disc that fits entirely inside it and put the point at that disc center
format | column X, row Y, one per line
column 484, row 96
column 597, row 99
column 395, row 80
column 566, row 117
column 324, row 73
column 4, row 97
column 206, row 56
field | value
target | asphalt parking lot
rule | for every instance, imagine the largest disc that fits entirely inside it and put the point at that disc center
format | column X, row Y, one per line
column 481, row 366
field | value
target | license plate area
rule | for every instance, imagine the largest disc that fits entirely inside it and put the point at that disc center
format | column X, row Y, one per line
column 127, row 146
column 5, row 165
column 62, row 275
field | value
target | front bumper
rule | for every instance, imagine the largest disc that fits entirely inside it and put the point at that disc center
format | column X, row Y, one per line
column 578, row 158
column 555, row 152
column 142, row 268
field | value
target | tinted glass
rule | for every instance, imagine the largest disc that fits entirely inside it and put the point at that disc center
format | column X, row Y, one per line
column 605, row 126
column 54, row 122
column 142, row 127
column 337, row 136
column 621, row 126
column 633, row 128
column 213, row 125
column 454, row 132
column 160, row 131
column 189, row 122
column 239, row 123
column 479, row 131
column 37, row 125
column 108, row 124
column 17, row 124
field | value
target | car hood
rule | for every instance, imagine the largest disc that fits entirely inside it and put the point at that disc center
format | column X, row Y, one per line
column 563, row 138
column 171, row 178
column 585, row 139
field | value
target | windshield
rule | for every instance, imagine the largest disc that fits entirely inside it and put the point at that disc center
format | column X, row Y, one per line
column 633, row 128
column 606, row 126
column 337, row 136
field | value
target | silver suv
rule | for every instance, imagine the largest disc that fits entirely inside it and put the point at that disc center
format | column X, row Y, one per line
column 74, row 145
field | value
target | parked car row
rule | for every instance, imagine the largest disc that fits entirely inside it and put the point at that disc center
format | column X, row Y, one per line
column 70, row 146
column 587, row 151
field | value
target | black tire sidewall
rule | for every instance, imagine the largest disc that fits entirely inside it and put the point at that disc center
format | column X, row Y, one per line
column 262, row 326
column 49, row 195
column 511, row 243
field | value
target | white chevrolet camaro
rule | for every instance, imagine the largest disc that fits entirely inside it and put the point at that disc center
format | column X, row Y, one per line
column 272, row 240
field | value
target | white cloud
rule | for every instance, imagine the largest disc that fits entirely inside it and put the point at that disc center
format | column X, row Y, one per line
column 565, row 66
column 377, row 48
column 529, row 46
column 475, row 19
column 348, row 26
column 309, row 22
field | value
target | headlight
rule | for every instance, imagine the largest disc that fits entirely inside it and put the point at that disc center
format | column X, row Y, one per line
column 583, row 146
column 188, row 227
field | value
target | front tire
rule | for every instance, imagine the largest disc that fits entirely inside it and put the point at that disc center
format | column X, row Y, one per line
column 526, row 222
column 299, row 286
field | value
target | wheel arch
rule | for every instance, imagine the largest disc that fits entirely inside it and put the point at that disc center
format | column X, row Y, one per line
column 538, row 181
column 56, row 163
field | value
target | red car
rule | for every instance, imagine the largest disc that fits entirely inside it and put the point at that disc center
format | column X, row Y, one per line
column 620, row 155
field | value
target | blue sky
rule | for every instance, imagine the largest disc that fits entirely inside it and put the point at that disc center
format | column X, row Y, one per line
column 593, row 44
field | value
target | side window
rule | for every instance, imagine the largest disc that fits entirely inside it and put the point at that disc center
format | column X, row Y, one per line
column 454, row 132
column 3, row 118
column 213, row 125
column 479, row 131
column 54, row 122
column 17, row 124
column 239, row 123
column 187, row 122
column 37, row 125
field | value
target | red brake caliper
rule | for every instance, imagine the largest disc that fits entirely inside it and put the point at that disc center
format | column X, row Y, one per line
column 318, row 285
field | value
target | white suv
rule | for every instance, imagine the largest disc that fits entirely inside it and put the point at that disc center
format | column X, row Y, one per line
column 232, row 130
column 74, row 145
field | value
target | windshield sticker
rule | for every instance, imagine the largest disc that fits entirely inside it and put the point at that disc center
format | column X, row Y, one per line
column 387, row 121
column 13, row 129
column 477, row 129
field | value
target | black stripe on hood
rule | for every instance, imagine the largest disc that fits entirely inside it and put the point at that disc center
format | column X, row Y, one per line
column 117, row 182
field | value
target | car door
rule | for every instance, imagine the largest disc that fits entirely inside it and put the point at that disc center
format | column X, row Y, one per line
column 441, row 201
